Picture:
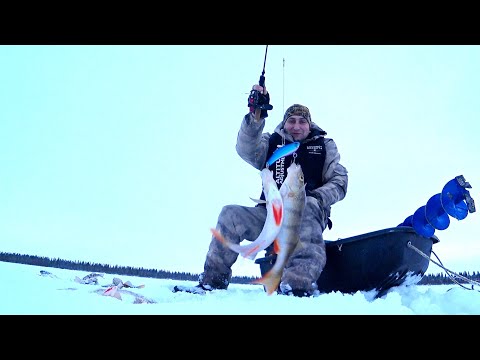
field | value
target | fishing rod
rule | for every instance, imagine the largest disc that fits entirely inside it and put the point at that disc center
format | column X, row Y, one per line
column 261, row 82
column 258, row 101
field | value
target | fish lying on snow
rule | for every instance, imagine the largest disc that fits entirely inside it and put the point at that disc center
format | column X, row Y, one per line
column 294, row 199
column 274, row 203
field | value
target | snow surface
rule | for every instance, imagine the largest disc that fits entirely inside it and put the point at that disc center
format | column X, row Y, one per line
column 26, row 291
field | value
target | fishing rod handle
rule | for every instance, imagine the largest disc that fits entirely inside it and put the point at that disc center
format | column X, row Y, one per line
column 261, row 82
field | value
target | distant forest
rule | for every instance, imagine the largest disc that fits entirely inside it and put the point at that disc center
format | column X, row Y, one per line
column 436, row 279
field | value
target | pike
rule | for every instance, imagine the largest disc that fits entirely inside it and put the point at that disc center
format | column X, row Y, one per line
column 294, row 197
column 274, row 203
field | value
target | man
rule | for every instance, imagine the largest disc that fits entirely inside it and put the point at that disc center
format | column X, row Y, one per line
column 326, row 183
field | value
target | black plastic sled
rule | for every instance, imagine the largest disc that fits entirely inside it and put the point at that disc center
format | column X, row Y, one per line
column 377, row 260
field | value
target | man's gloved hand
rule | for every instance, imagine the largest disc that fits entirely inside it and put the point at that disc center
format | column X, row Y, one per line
column 259, row 98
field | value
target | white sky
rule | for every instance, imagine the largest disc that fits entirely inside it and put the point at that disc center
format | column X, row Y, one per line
column 126, row 154
column 26, row 292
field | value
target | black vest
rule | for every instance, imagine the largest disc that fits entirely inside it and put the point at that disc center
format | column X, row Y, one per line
column 310, row 155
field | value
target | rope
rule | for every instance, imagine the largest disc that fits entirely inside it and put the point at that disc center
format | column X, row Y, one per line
column 450, row 273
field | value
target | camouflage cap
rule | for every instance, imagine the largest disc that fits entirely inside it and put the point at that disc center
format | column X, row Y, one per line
column 297, row 109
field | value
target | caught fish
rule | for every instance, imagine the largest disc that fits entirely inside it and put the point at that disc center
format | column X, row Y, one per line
column 294, row 199
column 112, row 291
column 91, row 278
column 116, row 291
column 282, row 152
column 274, row 203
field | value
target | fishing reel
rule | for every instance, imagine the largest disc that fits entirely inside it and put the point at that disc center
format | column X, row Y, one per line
column 257, row 100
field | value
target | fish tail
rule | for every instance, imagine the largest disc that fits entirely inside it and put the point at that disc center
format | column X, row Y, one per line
column 219, row 236
column 245, row 251
column 270, row 281
column 234, row 247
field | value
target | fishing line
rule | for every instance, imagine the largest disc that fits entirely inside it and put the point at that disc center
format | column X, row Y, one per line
column 283, row 90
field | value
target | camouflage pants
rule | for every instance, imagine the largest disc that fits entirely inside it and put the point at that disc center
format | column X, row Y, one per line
column 238, row 223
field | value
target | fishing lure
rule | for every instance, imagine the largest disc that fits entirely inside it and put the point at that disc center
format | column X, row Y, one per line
column 283, row 151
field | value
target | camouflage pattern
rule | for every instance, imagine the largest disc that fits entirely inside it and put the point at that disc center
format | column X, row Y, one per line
column 237, row 222
column 297, row 109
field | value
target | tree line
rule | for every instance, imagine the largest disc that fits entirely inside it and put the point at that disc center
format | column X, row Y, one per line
column 429, row 279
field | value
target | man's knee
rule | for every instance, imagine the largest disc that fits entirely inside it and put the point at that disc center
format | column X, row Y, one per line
column 228, row 215
column 229, row 209
column 315, row 216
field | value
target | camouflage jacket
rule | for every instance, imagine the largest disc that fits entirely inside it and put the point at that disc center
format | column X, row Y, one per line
column 252, row 146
